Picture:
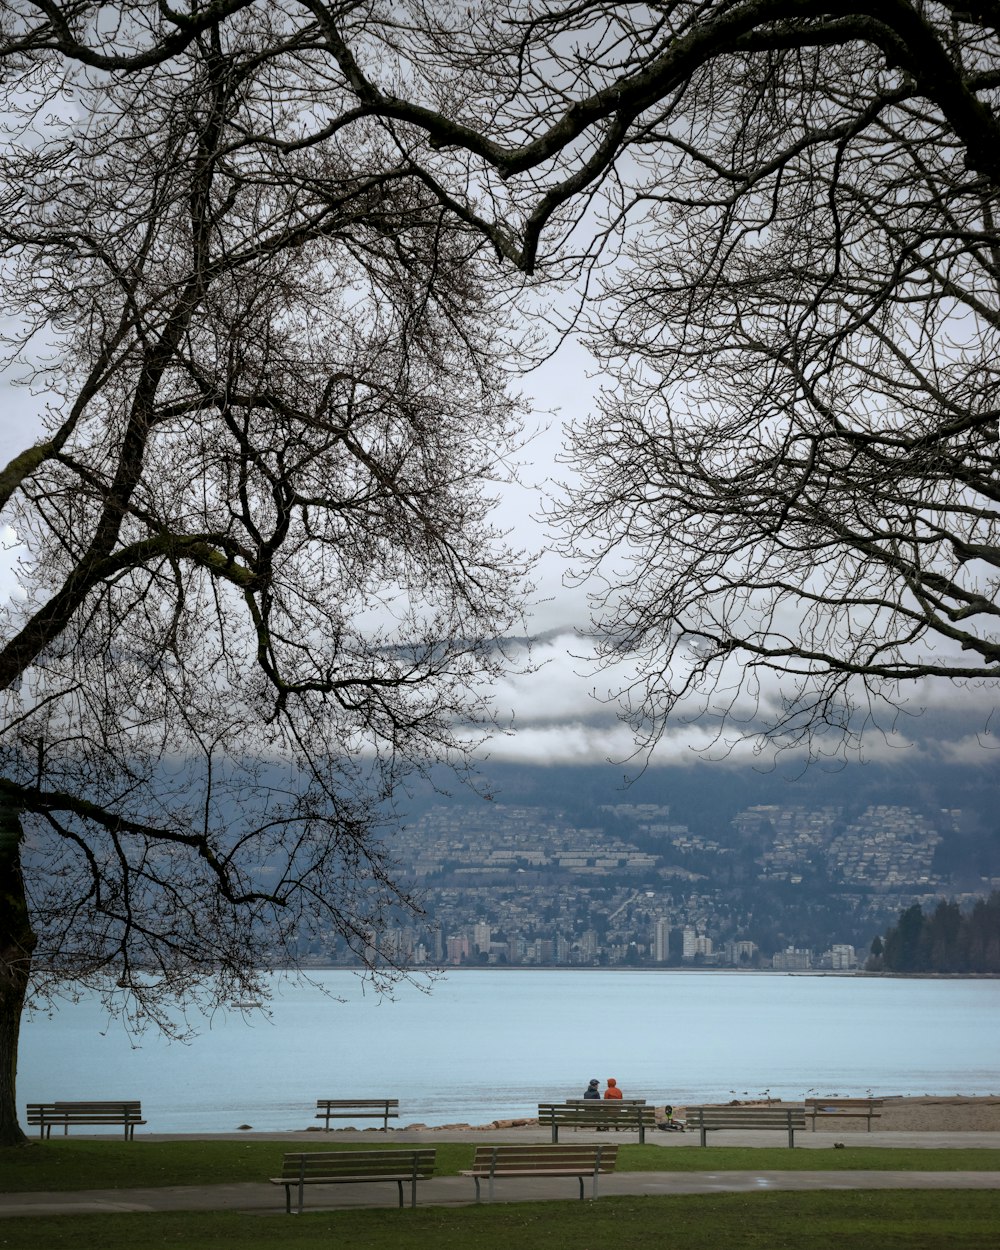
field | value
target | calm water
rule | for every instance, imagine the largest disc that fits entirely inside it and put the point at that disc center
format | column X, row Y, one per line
column 488, row 1044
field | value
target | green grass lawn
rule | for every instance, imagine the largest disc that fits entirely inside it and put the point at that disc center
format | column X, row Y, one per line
column 67, row 1164
column 823, row 1220
column 845, row 1220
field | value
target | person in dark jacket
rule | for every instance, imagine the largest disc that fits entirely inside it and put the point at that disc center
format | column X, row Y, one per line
column 593, row 1089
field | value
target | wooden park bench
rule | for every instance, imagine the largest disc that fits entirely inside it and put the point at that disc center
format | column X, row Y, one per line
column 352, row 1167
column 851, row 1108
column 357, row 1109
column 49, row 1115
column 712, row 1119
column 589, row 1113
column 491, row 1162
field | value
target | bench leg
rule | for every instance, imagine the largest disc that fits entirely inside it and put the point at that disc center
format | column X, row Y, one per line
column 476, row 1179
column 704, row 1132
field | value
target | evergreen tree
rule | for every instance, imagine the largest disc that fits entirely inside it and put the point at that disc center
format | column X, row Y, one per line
column 874, row 962
column 948, row 941
column 903, row 943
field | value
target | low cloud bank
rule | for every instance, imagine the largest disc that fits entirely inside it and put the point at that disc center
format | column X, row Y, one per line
column 565, row 712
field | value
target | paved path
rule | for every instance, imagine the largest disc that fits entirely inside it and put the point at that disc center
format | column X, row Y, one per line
column 266, row 1199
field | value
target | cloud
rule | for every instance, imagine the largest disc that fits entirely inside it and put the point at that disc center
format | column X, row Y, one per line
column 564, row 712
column 980, row 750
column 570, row 742
column 561, row 686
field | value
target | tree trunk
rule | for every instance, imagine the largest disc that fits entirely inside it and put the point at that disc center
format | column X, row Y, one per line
column 17, row 941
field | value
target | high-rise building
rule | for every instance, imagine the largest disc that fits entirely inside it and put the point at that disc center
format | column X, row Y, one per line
column 695, row 943
column 791, row 959
column 843, row 956
column 738, row 954
column 661, row 940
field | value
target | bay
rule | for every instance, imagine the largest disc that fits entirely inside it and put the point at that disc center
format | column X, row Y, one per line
column 487, row 1044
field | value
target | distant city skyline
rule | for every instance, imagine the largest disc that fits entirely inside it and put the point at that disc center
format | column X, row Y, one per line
column 796, row 882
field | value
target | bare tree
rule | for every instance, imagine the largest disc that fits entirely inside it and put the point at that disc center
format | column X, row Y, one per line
column 261, row 585
column 790, row 485
column 788, row 498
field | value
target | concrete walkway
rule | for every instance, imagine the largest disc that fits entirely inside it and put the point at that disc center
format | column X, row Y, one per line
column 453, row 1191
column 266, row 1199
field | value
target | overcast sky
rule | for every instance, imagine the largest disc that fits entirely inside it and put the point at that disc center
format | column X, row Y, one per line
column 553, row 714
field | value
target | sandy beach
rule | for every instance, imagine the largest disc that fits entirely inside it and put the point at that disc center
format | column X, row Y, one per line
column 931, row 1113
column 934, row 1114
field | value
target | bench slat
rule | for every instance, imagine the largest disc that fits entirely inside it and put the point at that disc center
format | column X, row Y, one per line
column 347, row 1163
column 376, row 1103
column 602, row 1102
column 530, row 1156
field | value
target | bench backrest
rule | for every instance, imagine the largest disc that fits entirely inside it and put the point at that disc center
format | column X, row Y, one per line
column 116, row 1112
column 390, row 1164
column 617, row 1102
column 357, row 1104
column 501, row 1160
column 746, row 1117
column 865, row 1104
column 590, row 1111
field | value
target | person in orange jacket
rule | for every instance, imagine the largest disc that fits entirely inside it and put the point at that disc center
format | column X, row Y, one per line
column 612, row 1091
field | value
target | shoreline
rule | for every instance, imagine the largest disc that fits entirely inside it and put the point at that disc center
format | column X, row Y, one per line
column 900, row 1113
column 447, row 969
